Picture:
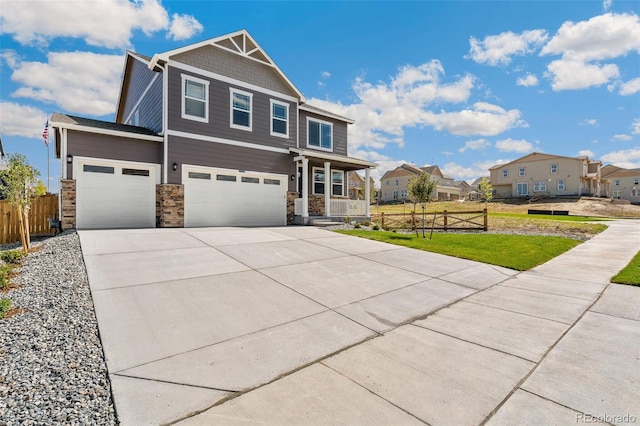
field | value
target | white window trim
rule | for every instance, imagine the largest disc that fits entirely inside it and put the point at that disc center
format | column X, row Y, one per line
column 330, row 124
column 540, row 186
column 313, row 180
column 505, row 173
column 273, row 102
column 341, row 185
column 233, row 90
column 563, row 186
column 204, row 119
column 554, row 164
column 522, row 171
column 526, row 184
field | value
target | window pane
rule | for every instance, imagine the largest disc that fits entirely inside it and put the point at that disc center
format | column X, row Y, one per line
column 97, row 169
column 193, row 107
column 337, row 189
column 279, row 126
column 194, row 90
column 227, row 178
column 326, row 136
column 314, row 133
column 241, row 118
column 336, row 177
column 279, row 111
column 250, row 180
column 135, row 172
column 318, row 175
column 196, row 175
column 318, row 188
column 271, row 181
column 241, row 101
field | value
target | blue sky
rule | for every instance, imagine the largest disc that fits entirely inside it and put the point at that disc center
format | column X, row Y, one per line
column 461, row 84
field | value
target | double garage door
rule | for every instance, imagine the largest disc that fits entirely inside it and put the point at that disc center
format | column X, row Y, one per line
column 223, row 197
column 115, row 194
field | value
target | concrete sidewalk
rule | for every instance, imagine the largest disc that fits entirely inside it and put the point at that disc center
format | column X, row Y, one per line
column 304, row 326
column 555, row 345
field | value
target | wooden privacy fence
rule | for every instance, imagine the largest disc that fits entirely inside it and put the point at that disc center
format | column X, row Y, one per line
column 42, row 208
column 445, row 220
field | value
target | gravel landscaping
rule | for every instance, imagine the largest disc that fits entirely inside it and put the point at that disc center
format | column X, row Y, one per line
column 52, row 369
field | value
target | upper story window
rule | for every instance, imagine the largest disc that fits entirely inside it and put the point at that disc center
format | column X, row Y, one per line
column 397, row 182
column 279, row 119
column 636, row 181
column 522, row 171
column 241, row 106
column 554, row 168
column 320, row 134
column 195, row 99
column 617, row 182
column 505, row 173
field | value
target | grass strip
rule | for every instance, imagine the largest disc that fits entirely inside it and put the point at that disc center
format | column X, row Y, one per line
column 519, row 252
column 630, row 275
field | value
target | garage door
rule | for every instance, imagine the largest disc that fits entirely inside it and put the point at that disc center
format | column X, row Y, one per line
column 115, row 194
column 222, row 197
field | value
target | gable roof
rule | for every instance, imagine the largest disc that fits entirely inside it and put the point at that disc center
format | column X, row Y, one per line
column 534, row 156
column 320, row 111
column 129, row 58
column 619, row 172
column 240, row 43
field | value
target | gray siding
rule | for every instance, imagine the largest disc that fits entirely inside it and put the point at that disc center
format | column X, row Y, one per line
column 81, row 144
column 211, row 154
column 339, row 132
column 150, row 107
column 219, row 114
column 231, row 65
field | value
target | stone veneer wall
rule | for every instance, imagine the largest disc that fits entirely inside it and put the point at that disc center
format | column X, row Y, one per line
column 169, row 206
column 291, row 196
column 68, row 203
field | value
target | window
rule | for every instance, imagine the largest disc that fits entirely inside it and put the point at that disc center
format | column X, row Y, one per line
column 98, row 169
column 387, row 183
column 554, row 168
column 250, row 180
column 279, row 119
column 403, row 193
column 195, row 99
column 561, row 185
column 617, row 182
column 395, row 195
column 397, row 182
column 523, row 188
column 271, row 181
column 521, row 171
column 337, row 177
column 505, row 173
column 540, row 186
column 636, row 181
column 135, row 172
column 196, row 175
column 320, row 134
column 241, row 109
column 226, row 178
column 318, row 180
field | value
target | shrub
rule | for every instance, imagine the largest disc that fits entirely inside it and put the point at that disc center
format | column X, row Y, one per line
column 366, row 223
column 12, row 256
column 356, row 225
column 376, row 228
column 5, row 306
column 4, row 276
column 346, row 219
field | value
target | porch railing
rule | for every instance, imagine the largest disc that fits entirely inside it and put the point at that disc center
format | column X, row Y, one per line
column 348, row 207
column 297, row 207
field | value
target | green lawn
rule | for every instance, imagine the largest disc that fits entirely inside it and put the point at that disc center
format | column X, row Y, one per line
column 519, row 252
column 630, row 274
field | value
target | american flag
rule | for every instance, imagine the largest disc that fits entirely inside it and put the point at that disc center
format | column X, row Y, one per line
column 45, row 134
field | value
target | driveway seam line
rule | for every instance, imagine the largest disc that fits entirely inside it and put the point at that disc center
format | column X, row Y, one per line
column 521, row 313
column 555, row 402
column 174, row 383
column 613, row 316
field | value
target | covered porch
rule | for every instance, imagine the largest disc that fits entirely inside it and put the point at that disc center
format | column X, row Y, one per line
column 323, row 189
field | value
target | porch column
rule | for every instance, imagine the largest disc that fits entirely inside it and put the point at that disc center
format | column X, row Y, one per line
column 367, row 192
column 327, row 189
column 305, row 188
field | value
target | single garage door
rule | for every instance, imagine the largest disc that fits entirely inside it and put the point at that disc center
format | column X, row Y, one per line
column 115, row 194
column 222, row 197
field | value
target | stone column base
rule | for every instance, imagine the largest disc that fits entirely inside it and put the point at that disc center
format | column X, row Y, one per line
column 169, row 206
column 68, row 203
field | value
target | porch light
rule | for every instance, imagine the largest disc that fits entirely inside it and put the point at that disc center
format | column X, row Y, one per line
column 174, row 166
column 293, row 177
column 69, row 159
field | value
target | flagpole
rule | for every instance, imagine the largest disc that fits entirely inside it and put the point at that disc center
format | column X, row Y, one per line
column 48, row 179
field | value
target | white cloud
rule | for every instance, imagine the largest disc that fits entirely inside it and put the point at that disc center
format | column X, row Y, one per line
column 514, row 145
column 476, row 144
column 621, row 137
column 105, row 23
column 627, row 158
column 606, row 5
column 460, row 172
column 586, row 153
column 635, row 126
column 528, row 80
column 56, row 81
column 21, row 120
column 600, row 38
column 325, row 74
column 184, row 27
column 630, row 87
column 484, row 119
column 498, row 49
column 588, row 122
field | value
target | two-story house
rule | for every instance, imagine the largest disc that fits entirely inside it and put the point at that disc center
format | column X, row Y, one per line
column 623, row 183
column 547, row 175
column 356, row 186
column 210, row 134
column 394, row 183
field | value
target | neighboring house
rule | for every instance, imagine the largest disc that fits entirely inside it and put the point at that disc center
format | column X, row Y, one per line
column 394, row 183
column 547, row 175
column 356, row 186
column 623, row 183
column 465, row 189
column 210, row 134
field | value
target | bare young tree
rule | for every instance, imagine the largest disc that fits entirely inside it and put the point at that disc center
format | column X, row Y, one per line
column 420, row 188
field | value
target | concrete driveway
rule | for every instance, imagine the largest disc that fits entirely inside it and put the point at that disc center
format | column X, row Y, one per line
column 299, row 325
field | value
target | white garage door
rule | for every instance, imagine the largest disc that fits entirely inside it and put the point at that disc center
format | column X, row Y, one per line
column 115, row 194
column 222, row 197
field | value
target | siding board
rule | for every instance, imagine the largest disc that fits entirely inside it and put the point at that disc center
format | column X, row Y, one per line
column 150, row 109
column 339, row 132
